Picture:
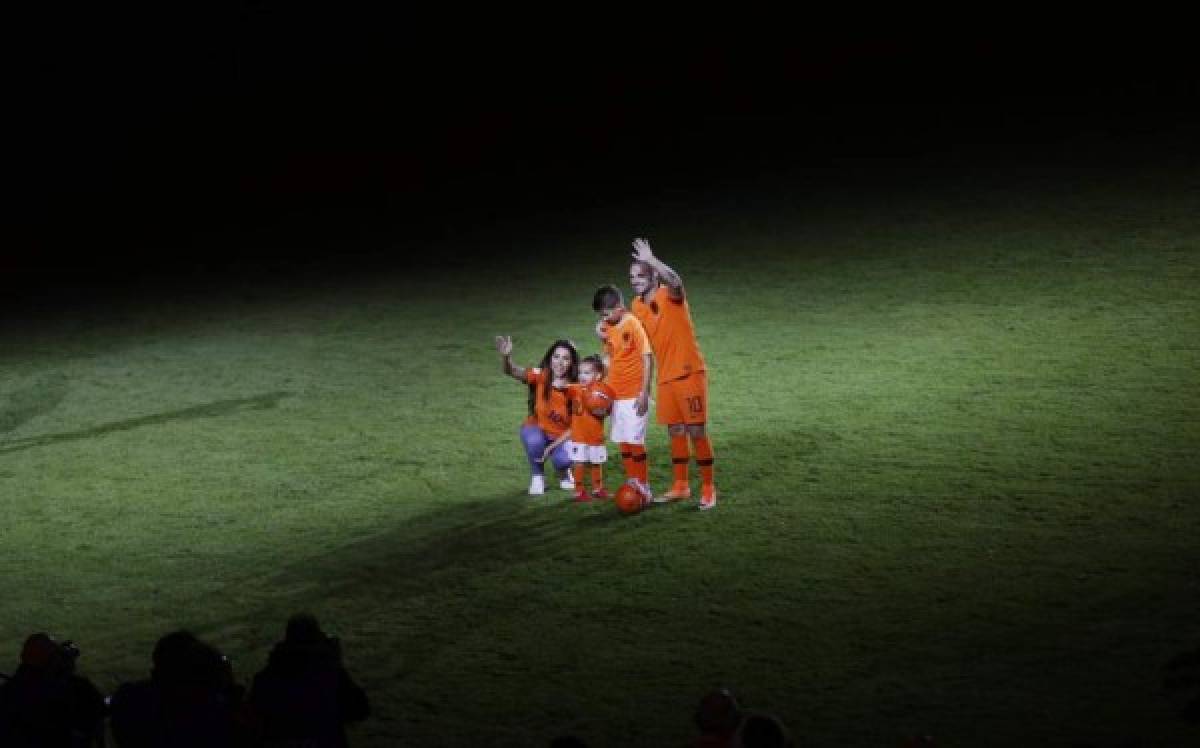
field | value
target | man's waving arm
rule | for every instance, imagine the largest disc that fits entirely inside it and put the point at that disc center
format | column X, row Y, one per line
column 643, row 253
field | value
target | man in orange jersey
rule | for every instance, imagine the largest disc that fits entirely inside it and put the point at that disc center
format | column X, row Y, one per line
column 682, row 400
column 630, row 364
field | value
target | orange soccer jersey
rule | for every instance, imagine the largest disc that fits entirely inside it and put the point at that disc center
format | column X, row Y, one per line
column 668, row 323
column 585, row 427
column 626, row 343
column 552, row 415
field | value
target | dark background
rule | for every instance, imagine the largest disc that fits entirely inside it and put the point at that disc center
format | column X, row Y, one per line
column 263, row 140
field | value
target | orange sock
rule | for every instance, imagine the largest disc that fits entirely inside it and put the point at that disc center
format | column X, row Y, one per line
column 627, row 459
column 597, row 477
column 577, row 472
column 679, row 458
column 704, row 458
column 640, row 469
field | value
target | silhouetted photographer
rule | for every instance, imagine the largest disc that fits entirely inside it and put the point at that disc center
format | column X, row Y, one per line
column 189, row 700
column 45, row 704
column 304, row 696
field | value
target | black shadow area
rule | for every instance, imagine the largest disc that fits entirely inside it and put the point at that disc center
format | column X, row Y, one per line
column 209, row 410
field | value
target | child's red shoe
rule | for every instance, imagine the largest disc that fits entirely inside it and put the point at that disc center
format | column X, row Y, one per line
column 581, row 496
column 600, row 494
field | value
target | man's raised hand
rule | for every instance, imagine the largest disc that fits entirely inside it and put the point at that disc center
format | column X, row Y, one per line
column 642, row 251
column 504, row 344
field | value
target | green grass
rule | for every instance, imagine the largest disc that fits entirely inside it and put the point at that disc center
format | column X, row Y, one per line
column 955, row 431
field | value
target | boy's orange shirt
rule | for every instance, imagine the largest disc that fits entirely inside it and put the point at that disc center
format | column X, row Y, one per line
column 585, row 427
column 668, row 324
column 625, row 343
column 552, row 415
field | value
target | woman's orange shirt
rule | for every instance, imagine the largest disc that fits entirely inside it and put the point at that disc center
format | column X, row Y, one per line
column 553, row 414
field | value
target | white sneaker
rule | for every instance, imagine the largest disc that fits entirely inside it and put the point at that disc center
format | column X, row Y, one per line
column 537, row 485
column 568, row 483
column 646, row 490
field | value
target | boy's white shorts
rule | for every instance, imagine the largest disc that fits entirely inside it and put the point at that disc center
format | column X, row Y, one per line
column 627, row 426
column 592, row 454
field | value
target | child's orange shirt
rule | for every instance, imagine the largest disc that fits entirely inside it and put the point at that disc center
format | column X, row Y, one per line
column 668, row 324
column 625, row 343
column 585, row 427
column 551, row 415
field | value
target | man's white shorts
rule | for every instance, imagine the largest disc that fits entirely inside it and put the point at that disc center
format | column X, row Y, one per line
column 591, row 454
column 627, row 426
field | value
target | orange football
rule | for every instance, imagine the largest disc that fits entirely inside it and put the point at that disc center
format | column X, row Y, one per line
column 629, row 499
column 597, row 400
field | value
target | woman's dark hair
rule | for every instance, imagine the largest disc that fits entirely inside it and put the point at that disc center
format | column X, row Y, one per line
column 572, row 371
column 606, row 297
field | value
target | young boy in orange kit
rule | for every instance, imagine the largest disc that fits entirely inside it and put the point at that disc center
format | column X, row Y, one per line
column 630, row 363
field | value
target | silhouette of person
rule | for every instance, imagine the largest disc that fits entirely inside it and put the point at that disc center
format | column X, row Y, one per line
column 717, row 717
column 45, row 703
column 761, row 730
column 190, row 699
column 304, row 694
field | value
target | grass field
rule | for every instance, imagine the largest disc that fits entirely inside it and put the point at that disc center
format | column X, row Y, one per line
column 956, row 424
